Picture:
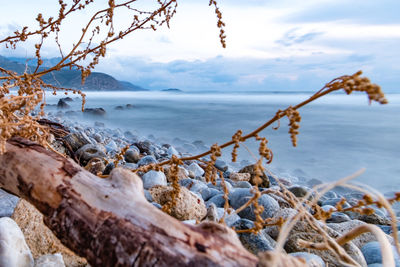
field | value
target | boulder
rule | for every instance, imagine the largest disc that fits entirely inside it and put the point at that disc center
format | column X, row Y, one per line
column 62, row 104
column 95, row 111
column 14, row 252
column 188, row 205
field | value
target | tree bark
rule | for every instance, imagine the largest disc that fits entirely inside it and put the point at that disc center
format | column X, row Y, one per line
column 109, row 221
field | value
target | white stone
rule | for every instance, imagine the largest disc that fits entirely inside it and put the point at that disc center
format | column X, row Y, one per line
column 172, row 151
column 14, row 252
column 152, row 178
column 50, row 260
column 196, row 169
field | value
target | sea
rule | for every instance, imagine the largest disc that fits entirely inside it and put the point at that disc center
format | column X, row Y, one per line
column 339, row 134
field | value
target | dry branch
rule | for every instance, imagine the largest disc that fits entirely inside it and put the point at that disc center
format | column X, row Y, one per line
column 109, row 221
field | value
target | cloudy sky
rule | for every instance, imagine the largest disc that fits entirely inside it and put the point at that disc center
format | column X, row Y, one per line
column 271, row 44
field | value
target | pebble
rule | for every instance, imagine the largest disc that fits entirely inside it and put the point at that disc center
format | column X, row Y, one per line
column 241, row 195
column 111, row 146
column 338, row 217
column 146, row 160
column 14, row 252
column 299, row 191
column 243, row 184
column 132, row 155
column 152, row 178
column 208, row 193
column 220, row 187
column 217, row 200
column 193, row 185
column 250, row 169
column 50, row 260
column 240, row 177
column 8, row 202
column 254, row 243
column 312, row 260
column 88, row 152
column 196, row 169
column 372, row 253
column 172, row 151
column 76, row 140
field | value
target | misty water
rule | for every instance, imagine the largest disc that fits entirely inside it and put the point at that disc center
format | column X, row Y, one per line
column 339, row 134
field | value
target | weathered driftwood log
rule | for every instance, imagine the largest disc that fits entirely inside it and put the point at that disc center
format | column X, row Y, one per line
column 108, row 221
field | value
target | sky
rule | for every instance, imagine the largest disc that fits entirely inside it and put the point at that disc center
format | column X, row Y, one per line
column 272, row 45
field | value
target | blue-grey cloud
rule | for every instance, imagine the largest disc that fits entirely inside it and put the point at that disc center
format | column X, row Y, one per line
column 292, row 37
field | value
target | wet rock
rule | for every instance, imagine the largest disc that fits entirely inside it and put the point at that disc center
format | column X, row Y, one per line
column 188, row 206
column 14, row 251
column 39, row 238
column 95, row 111
column 220, row 186
column 250, row 169
column 243, row 184
column 111, row 146
column 62, row 104
column 207, row 193
column 95, row 166
column 50, row 260
column 145, row 147
column 153, row 178
column 299, row 191
column 241, row 195
column 221, row 165
column 76, row 140
column 311, row 259
column 88, row 152
column 146, row 160
column 338, row 217
column 8, row 203
column 172, row 151
column 109, row 167
column 254, row 243
column 374, row 219
column 132, row 155
column 182, row 173
column 148, row 195
column 119, row 108
column 196, row 169
column 240, row 177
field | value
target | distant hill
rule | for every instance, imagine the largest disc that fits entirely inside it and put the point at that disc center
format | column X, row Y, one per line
column 172, row 90
column 97, row 81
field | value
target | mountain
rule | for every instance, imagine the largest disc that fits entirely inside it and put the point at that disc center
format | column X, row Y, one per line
column 97, row 81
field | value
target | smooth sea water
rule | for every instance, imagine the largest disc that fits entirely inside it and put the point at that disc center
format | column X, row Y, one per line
column 339, row 134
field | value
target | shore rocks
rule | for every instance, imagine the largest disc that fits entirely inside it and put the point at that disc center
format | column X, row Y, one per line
column 373, row 254
column 311, row 259
column 88, row 152
column 240, row 177
column 95, row 111
column 8, row 203
column 188, row 206
column 241, row 195
column 146, row 160
column 250, row 169
column 14, row 252
column 196, row 169
column 132, row 155
column 153, row 178
column 62, row 104
column 50, row 260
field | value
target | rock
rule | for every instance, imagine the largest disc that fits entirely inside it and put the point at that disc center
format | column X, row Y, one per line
column 39, row 238
column 146, row 160
column 212, row 213
column 188, row 206
column 207, row 193
column 95, row 166
column 152, row 178
column 230, row 218
column 172, row 151
column 334, row 201
column 119, row 108
column 374, row 219
column 182, row 173
column 299, row 191
column 148, row 196
column 14, row 252
column 338, row 217
column 221, row 165
column 95, row 111
column 238, row 177
column 311, row 259
column 88, row 152
column 109, row 167
column 98, row 137
column 129, row 106
column 219, row 185
column 217, row 200
column 111, row 146
column 132, row 155
column 254, row 243
column 243, row 184
column 8, row 203
column 130, row 166
column 250, row 169
column 303, row 230
column 144, row 147
column 50, row 260
column 359, row 241
column 76, row 140
column 67, row 99
column 241, row 195
column 62, row 104
column 372, row 253
column 155, row 204
column 196, row 169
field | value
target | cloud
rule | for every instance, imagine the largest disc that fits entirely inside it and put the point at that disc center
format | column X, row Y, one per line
column 293, row 36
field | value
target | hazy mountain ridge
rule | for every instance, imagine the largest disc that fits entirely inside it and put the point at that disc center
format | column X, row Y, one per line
column 97, row 81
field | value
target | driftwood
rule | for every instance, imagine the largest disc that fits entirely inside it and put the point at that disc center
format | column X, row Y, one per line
column 108, row 221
